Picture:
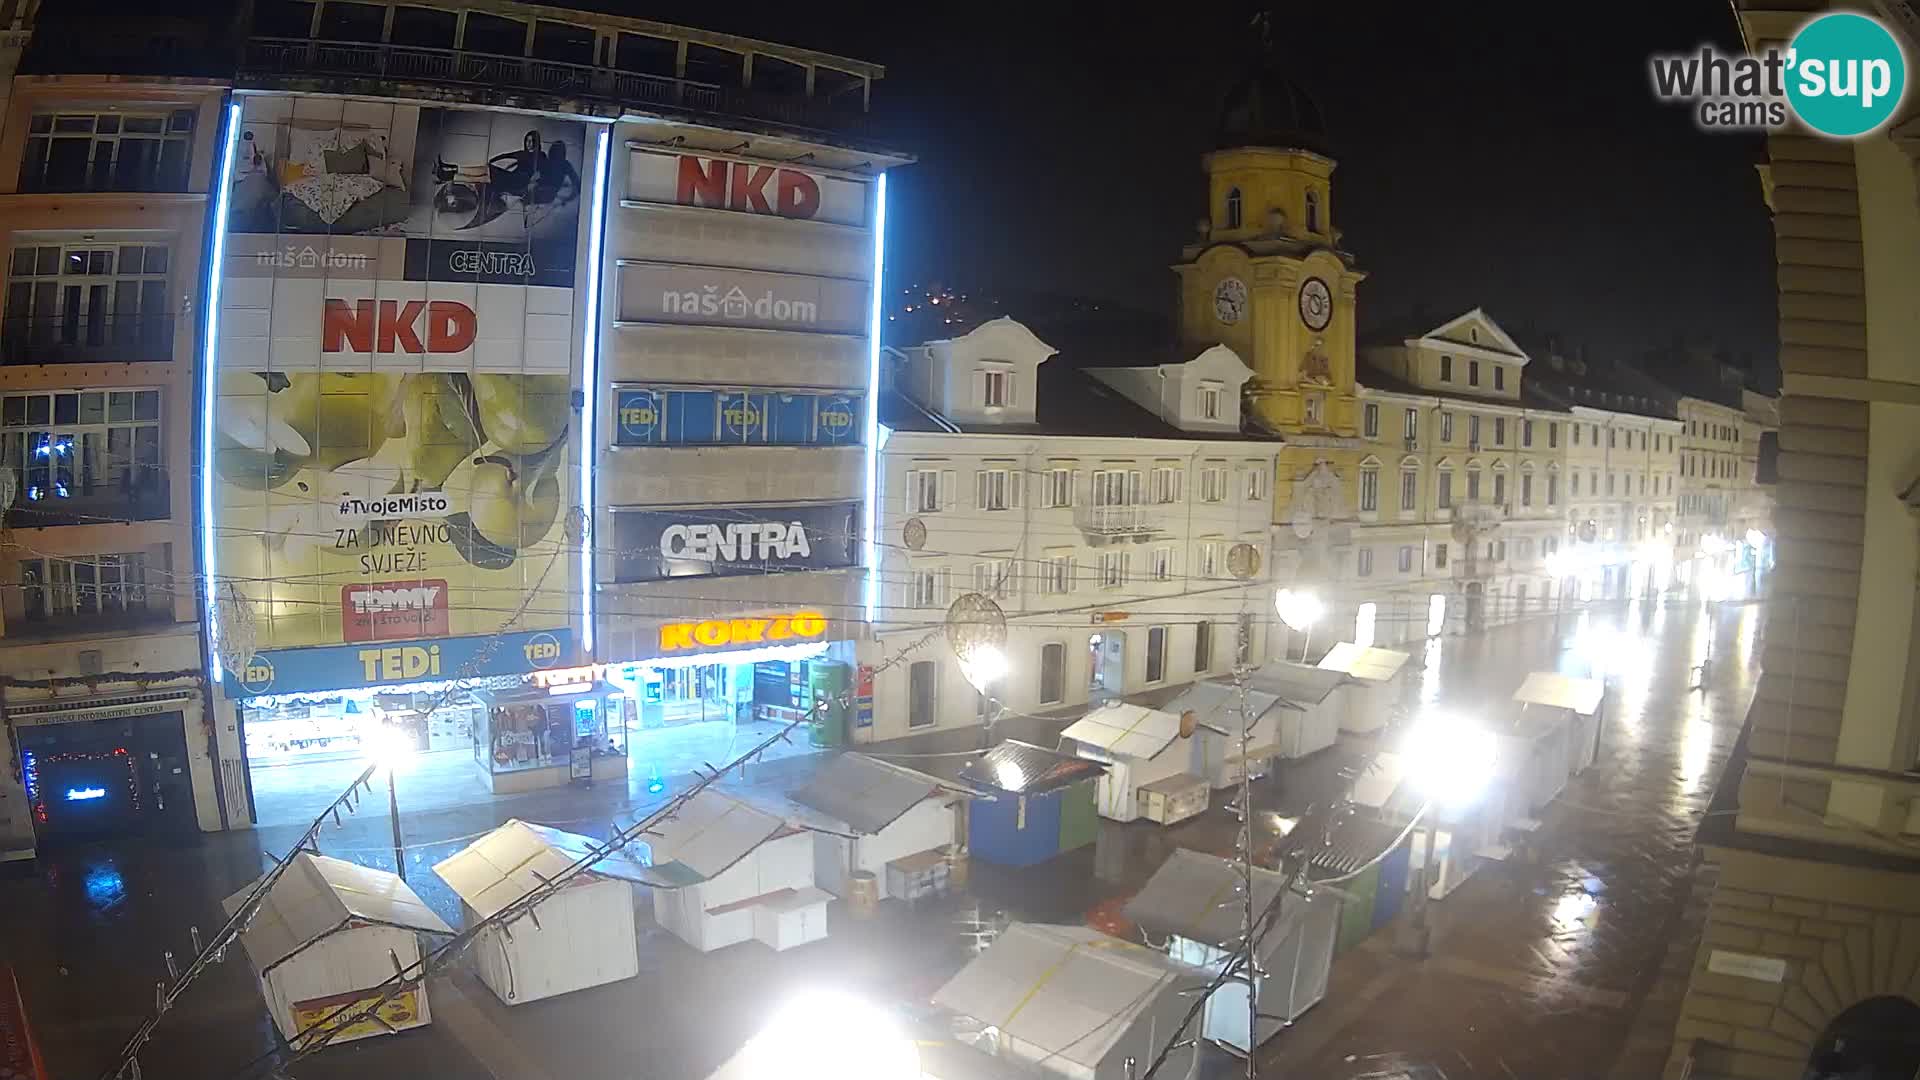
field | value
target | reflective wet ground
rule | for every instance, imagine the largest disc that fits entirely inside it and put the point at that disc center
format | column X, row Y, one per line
column 1538, row 964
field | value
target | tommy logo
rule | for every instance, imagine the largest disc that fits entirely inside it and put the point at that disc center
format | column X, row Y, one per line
column 388, row 326
column 393, row 611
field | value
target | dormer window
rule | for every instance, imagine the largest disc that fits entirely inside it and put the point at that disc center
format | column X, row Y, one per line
column 1209, row 403
column 1313, row 211
column 996, row 387
column 1233, row 208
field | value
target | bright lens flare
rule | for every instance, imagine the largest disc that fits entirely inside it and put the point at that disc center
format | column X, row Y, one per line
column 1298, row 610
column 827, row 1036
column 983, row 666
column 1450, row 758
column 389, row 747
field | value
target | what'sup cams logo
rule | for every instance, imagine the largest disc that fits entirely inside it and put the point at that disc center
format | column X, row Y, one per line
column 1843, row 75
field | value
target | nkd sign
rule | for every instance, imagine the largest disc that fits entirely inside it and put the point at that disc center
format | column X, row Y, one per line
column 711, row 296
column 746, row 187
column 715, row 540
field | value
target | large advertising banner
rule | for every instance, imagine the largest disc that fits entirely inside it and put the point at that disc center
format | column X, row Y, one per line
column 396, row 360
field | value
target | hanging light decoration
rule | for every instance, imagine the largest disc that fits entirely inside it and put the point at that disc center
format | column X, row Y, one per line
column 977, row 632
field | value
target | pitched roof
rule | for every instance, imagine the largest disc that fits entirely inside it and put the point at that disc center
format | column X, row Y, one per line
column 1297, row 683
column 1373, row 378
column 1217, row 702
column 318, row 895
column 705, row 837
column 1124, row 730
column 514, row 859
column 1024, row 768
column 865, row 793
column 1364, row 663
column 1561, row 691
column 1067, row 991
column 1198, row 897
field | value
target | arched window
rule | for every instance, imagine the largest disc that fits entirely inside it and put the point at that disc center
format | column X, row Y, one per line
column 1233, row 208
column 1313, row 211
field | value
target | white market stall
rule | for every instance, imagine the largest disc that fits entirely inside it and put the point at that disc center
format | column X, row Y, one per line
column 1215, row 705
column 1194, row 901
column 724, row 872
column 1150, row 763
column 1313, row 702
column 1531, row 764
column 1579, row 699
column 1457, row 840
column 325, row 937
column 580, row 936
column 879, row 817
column 1375, row 688
column 1069, row 1001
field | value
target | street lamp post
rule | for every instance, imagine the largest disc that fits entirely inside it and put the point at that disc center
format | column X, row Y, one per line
column 1451, row 762
column 1299, row 609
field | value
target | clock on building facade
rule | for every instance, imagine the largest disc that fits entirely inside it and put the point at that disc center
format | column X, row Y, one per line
column 1230, row 300
column 1316, row 304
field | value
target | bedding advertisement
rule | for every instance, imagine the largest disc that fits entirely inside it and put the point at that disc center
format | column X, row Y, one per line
column 398, row 343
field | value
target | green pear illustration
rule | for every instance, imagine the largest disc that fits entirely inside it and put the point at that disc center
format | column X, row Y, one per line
column 522, row 414
column 254, row 447
column 439, row 427
column 343, row 416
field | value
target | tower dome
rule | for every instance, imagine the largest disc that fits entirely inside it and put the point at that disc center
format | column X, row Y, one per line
column 1265, row 108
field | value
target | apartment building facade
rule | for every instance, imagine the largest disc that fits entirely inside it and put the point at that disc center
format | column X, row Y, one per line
column 1096, row 505
column 1807, row 957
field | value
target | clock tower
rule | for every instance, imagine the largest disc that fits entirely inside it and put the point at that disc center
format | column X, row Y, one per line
column 1267, row 277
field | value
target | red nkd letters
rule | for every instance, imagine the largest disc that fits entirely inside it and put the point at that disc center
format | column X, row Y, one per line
column 391, row 326
column 736, row 185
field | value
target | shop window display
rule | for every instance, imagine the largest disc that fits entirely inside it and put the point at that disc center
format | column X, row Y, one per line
column 533, row 729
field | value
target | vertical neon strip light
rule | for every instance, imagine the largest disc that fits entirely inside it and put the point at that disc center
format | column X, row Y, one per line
column 589, row 364
column 209, row 381
column 872, row 515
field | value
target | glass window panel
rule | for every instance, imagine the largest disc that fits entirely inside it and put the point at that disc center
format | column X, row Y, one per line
column 156, row 259
column 100, row 262
column 793, row 419
column 120, row 405
column 73, row 124
column 180, row 120
column 691, row 417
column 107, row 124
column 39, row 409
column 146, row 405
column 46, row 261
column 146, row 125
column 66, row 408
column 130, row 258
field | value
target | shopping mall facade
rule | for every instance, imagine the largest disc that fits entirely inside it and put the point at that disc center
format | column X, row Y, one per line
column 523, row 396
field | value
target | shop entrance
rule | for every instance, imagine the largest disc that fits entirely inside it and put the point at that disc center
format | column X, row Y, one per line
column 1107, row 664
column 94, row 777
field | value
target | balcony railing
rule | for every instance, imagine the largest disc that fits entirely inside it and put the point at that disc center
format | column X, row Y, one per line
column 45, row 502
column 410, row 63
column 1118, row 521
column 85, row 339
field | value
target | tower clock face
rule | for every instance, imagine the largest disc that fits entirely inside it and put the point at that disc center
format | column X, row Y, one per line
column 1230, row 300
column 1316, row 304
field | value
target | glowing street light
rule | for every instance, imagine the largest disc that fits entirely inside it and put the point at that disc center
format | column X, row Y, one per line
column 389, row 748
column 1298, row 609
column 984, row 666
column 1451, row 759
column 827, row 1035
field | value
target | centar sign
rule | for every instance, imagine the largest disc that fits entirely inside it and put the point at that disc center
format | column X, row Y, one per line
column 716, row 633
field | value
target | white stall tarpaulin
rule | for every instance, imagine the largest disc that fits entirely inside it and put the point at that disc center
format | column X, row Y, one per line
column 724, row 871
column 1215, row 705
column 1581, row 698
column 580, row 936
column 878, row 812
column 1075, row 1002
column 1143, row 746
column 1370, row 702
column 1315, row 702
column 320, row 942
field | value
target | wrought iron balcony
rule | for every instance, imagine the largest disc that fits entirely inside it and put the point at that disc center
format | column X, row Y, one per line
column 86, row 339
column 270, row 57
column 1138, row 521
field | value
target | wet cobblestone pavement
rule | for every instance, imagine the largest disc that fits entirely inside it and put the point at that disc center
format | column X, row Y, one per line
column 1538, row 969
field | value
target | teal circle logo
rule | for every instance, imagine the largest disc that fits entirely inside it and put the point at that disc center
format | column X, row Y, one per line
column 257, row 678
column 1845, row 75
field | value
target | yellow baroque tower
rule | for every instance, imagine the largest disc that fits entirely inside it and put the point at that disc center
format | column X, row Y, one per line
column 1267, row 278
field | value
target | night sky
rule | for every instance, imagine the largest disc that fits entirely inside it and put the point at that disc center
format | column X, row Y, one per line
column 1503, row 155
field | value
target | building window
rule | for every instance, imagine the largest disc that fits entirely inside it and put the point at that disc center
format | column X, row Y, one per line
column 1233, row 208
column 1440, row 555
column 1314, row 406
column 116, row 151
column 1210, row 556
column 1553, row 490
column 1553, row 436
column 1500, row 489
column 1369, row 490
column 993, row 578
column 1213, row 484
column 1576, row 433
column 80, row 456
column 1526, row 433
column 101, row 302
column 1157, row 654
column 1165, row 484
column 922, row 676
column 1643, row 484
column 1210, row 401
column 1056, row 575
column 1116, row 487
column 1313, row 211
column 998, row 489
column 1363, row 565
column 1611, row 438
column 1473, row 432
column 1473, row 373
column 1056, row 488
column 1409, row 491
column 1446, row 427
column 1406, row 558
column 1113, row 569
column 1610, row 483
column 1499, row 376
column 1410, row 427
column 996, row 388
column 1370, row 421
column 1443, row 496
column 1202, row 647
column 926, row 490
column 1499, row 431
column 1256, row 484
column 1446, row 368
column 1053, row 673
column 84, row 589
column 1163, row 564
column 1526, row 489
column 1473, row 484
column 927, row 588
column 1500, row 551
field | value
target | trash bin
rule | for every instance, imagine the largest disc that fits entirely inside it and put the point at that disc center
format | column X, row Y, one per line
column 863, row 894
